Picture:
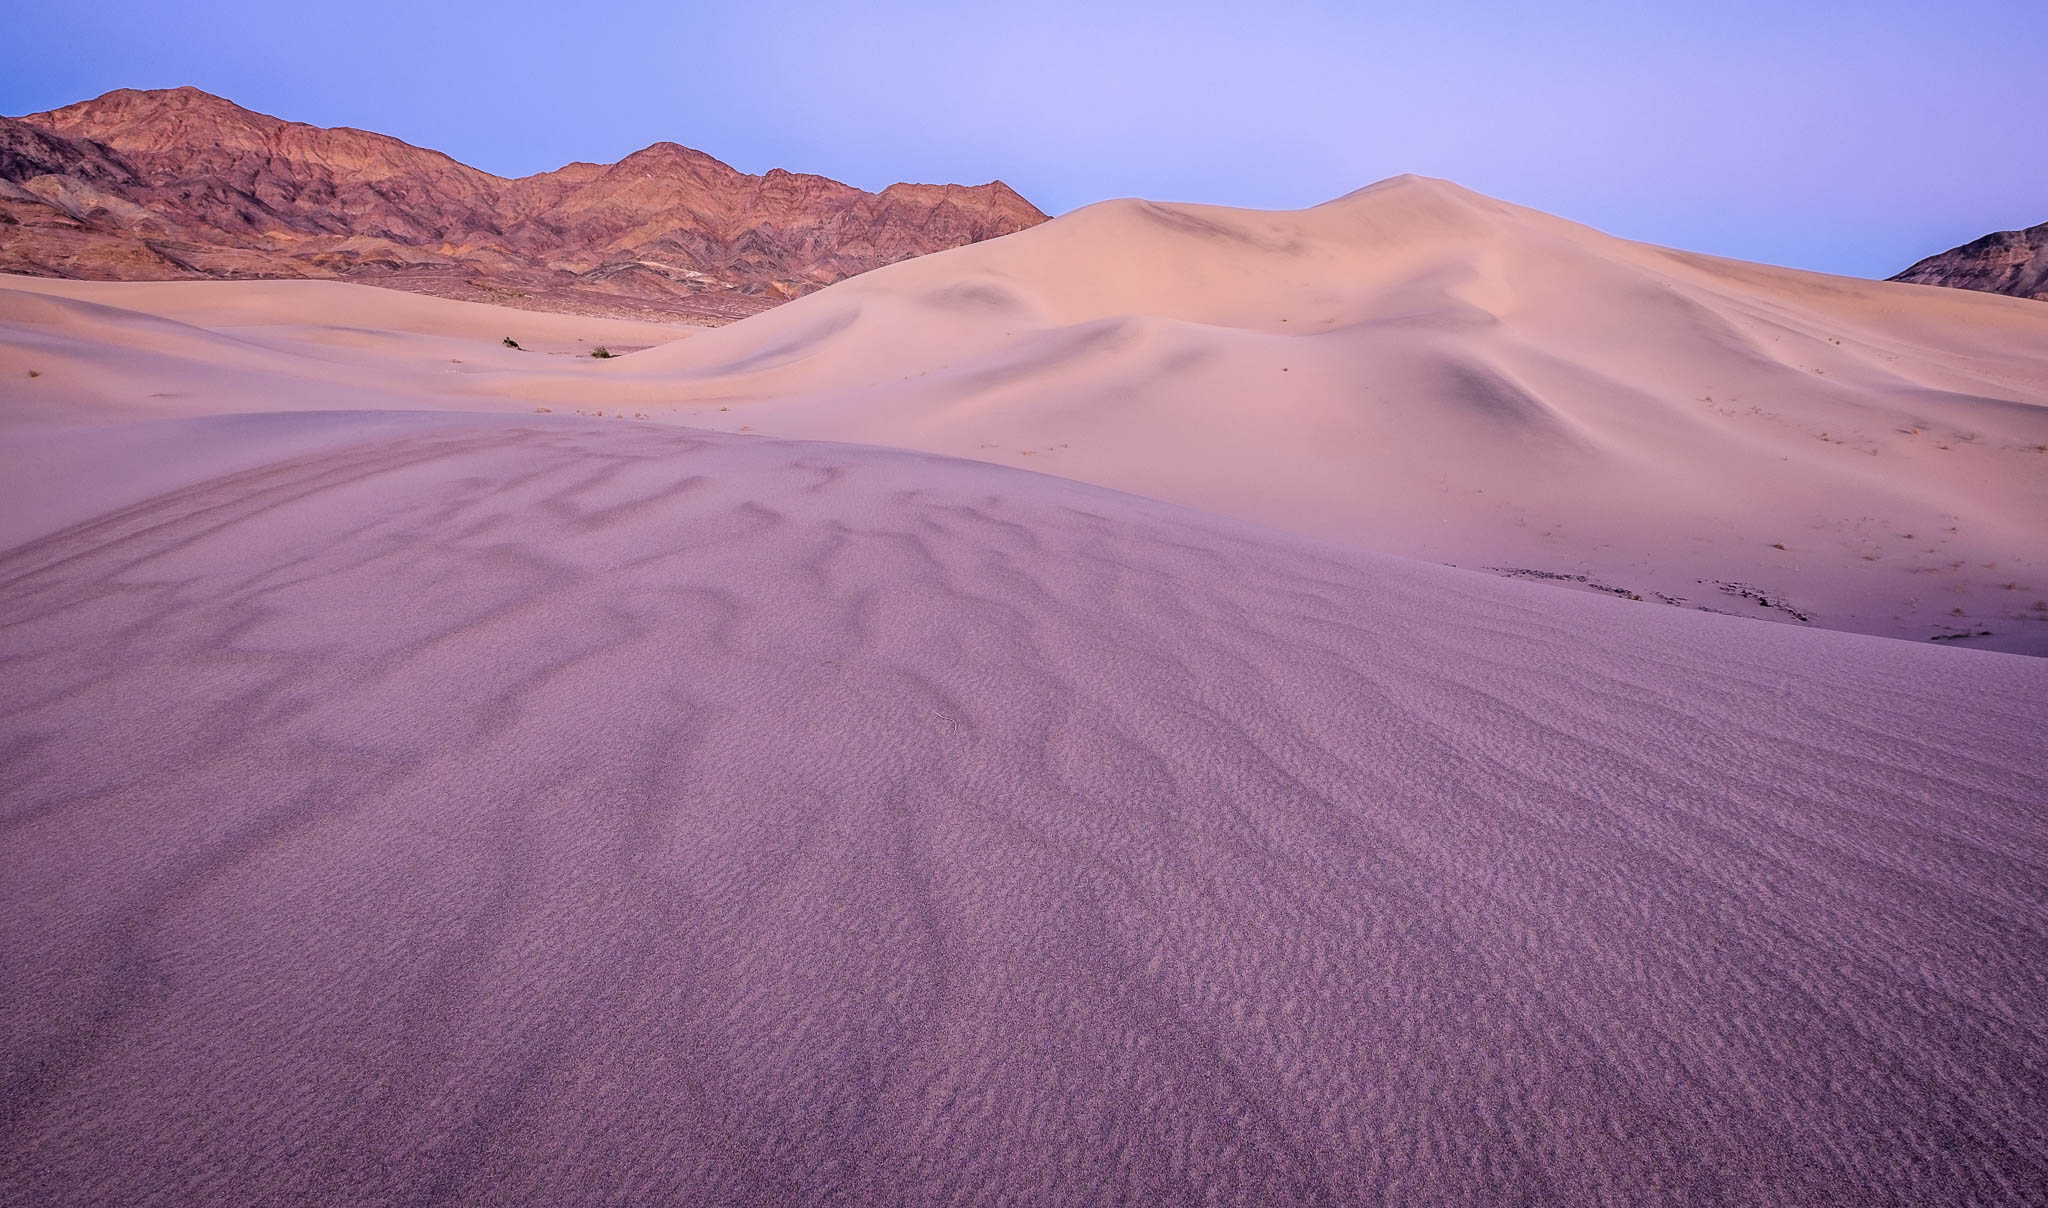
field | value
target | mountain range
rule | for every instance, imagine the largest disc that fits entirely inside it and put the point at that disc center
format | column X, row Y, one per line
column 178, row 183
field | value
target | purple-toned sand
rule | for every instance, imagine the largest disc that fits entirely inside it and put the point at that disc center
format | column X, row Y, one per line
column 572, row 813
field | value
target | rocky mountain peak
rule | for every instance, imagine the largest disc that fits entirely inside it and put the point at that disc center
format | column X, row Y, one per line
column 2003, row 262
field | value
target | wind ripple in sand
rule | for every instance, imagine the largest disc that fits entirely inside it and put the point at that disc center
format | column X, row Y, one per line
column 584, row 813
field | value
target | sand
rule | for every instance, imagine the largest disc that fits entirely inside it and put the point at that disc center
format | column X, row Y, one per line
column 111, row 392
column 410, row 796
column 1412, row 369
column 1418, row 369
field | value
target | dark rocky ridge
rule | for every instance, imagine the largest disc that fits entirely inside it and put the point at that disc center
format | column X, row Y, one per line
column 2004, row 262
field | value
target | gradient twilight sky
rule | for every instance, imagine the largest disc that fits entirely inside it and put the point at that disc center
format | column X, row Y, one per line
column 1852, row 138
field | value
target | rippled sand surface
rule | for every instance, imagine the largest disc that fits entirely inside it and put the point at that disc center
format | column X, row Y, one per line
column 602, row 812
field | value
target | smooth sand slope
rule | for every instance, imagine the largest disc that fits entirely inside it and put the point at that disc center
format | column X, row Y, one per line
column 570, row 811
column 111, row 392
column 347, row 314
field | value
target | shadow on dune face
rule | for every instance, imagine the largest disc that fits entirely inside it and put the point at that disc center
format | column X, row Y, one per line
column 787, row 347
column 1044, row 354
column 1188, row 223
column 1971, row 417
column 1496, row 401
column 575, row 812
column 977, row 298
column 1183, row 220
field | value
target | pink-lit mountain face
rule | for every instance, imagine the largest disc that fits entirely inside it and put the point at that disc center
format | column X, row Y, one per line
column 141, row 185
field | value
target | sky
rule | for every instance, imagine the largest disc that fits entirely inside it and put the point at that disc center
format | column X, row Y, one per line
column 1848, row 138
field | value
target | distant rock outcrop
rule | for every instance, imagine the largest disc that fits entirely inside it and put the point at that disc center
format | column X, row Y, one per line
column 2004, row 262
column 179, row 183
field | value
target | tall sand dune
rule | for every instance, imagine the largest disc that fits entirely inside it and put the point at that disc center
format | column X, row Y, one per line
column 1419, row 369
column 569, row 811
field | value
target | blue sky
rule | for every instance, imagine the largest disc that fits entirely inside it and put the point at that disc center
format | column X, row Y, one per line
column 1847, row 138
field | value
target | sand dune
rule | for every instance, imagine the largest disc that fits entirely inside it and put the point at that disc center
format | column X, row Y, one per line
column 111, row 392
column 564, row 811
column 1412, row 369
column 333, row 306
column 417, row 788
column 1419, row 369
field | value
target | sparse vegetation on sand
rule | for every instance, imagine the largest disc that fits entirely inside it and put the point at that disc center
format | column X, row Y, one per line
column 601, row 353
